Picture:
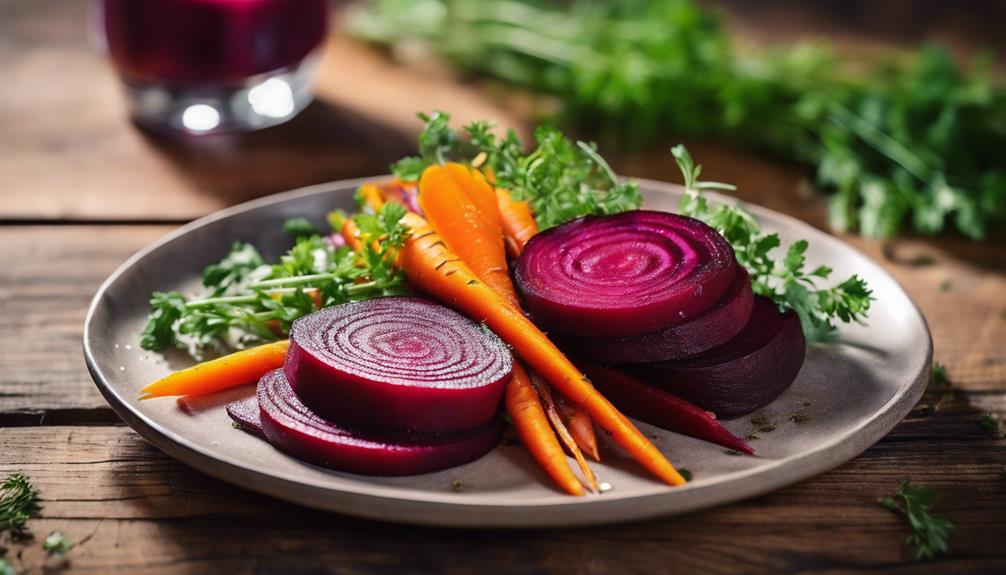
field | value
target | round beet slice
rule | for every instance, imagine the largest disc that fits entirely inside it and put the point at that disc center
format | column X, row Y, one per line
column 626, row 274
column 291, row 426
column 397, row 363
column 742, row 375
column 716, row 326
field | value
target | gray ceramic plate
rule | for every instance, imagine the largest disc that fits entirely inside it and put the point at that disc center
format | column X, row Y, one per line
column 847, row 396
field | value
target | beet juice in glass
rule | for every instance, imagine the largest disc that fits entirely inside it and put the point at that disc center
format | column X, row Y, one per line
column 206, row 66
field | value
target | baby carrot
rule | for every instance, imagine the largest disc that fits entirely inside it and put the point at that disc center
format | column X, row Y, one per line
column 238, row 368
column 518, row 222
column 524, row 406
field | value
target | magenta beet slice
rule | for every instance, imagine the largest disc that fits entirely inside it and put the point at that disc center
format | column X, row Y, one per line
column 291, row 426
column 657, row 407
column 245, row 412
column 716, row 326
column 397, row 363
column 626, row 274
column 742, row 375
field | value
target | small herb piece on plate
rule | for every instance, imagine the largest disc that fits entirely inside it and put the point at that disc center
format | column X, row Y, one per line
column 57, row 543
column 299, row 227
column 992, row 425
column 785, row 280
column 732, row 452
column 930, row 534
column 18, row 501
column 686, row 473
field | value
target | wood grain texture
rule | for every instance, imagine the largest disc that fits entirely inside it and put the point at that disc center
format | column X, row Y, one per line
column 48, row 275
column 141, row 512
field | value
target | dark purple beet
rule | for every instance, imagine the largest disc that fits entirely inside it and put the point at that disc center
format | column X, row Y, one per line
column 621, row 275
column 716, row 326
column 292, row 427
column 657, row 407
column 397, row 363
column 245, row 412
column 742, row 375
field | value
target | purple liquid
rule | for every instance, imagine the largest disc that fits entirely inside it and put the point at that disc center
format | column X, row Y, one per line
column 210, row 41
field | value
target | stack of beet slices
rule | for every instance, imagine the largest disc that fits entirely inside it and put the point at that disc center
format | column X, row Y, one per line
column 662, row 296
column 389, row 386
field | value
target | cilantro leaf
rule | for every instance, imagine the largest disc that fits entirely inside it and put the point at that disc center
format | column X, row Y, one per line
column 166, row 309
column 930, row 534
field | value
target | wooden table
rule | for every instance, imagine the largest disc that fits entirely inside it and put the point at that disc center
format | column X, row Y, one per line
column 81, row 189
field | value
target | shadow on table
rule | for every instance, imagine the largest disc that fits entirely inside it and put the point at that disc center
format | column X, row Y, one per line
column 325, row 142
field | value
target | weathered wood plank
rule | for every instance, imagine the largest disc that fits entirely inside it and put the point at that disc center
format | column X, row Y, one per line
column 48, row 275
column 145, row 513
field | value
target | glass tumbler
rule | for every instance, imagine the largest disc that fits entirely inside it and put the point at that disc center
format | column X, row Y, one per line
column 210, row 66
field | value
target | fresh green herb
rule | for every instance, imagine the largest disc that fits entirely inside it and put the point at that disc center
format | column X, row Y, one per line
column 992, row 425
column 732, row 452
column 930, row 534
column 687, row 474
column 18, row 501
column 57, row 543
column 456, row 485
column 785, row 280
column 299, row 227
column 248, row 301
column 903, row 140
column 561, row 179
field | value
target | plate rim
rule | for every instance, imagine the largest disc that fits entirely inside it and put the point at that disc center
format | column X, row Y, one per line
column 428, row 509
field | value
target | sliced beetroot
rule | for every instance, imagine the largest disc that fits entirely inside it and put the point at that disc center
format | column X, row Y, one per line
column 716, row 326
column 397, row 363
column 623, row 275
column 657, row 407
column 245, row 412
column 742, row 375
column 291, row 426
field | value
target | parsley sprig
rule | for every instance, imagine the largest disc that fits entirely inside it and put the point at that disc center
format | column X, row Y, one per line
column 248, row 301
column 930, row 534
column 785, row 280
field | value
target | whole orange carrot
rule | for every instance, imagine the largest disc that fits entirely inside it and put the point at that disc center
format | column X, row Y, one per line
column 461, row 207
column 238, row 368
column 524, row 407
column 430, row 266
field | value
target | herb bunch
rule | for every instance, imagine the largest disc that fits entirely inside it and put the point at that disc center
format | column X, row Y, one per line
column 784, row 280
column 18, row 501
column 561, row 179
column 930, row 534
column 905, row 141
column 247, row 301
